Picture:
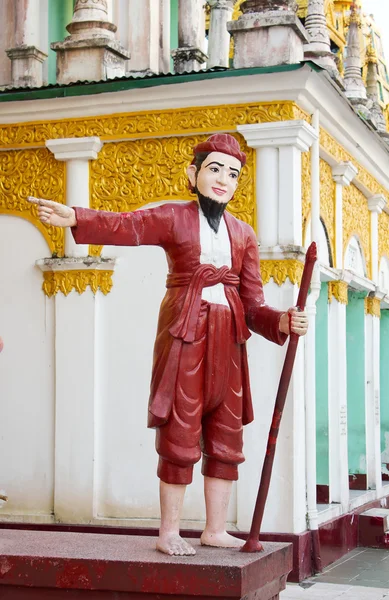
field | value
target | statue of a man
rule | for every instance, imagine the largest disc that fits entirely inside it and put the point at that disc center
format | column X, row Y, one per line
column 200, row 392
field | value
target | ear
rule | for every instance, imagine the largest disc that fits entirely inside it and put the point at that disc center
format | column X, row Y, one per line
column 191, row 171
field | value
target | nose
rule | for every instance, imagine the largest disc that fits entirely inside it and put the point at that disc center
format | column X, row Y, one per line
column 222, row 177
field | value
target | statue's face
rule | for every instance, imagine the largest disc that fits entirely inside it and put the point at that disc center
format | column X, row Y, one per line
column 217, row 178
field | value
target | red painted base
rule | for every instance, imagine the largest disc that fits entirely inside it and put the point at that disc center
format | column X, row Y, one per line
column 336, row 537
column 357, row 481
column 51, row 566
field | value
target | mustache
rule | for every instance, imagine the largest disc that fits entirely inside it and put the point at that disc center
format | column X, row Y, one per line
column 212, row 210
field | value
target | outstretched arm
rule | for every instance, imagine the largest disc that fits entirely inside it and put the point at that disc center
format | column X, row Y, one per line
column 143, row 227
column 273, row 324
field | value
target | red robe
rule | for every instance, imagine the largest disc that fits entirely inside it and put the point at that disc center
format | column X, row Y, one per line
column 175, row 227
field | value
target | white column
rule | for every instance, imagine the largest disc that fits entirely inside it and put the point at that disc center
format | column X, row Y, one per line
column 76, row 152
column 372, row 394
column 218, row 36
column 310, row 338
column 164, row 36
column 337, row 396
column 343, row 173
column 278, row 190
column 376, row 205
column 267, row 193
column 25, row 54
column 76, row 352
column 287, row 139
column 79, row 365
column 189, row 56
column 144, row 35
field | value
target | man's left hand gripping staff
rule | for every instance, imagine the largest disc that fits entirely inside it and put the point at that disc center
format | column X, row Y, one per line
column 53, row 213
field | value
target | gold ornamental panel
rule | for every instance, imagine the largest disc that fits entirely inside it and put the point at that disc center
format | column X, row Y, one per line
column 327, row 202
column 339, row 291
column 128, row 175
column 383, row 235
column 356, row 222
column 373, row 306
column 78, row 280
column 142, row 124
column 281, row 270
column 32, row 173
column 337, row 151
column 306, row 187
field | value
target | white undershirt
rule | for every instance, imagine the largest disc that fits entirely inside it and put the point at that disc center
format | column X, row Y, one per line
column 215, row 250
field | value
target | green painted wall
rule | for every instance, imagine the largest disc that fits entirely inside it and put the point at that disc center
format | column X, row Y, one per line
column 384, row 392
column 173, row 28
column 60, row 15
column 322, row 445
column 355, row 328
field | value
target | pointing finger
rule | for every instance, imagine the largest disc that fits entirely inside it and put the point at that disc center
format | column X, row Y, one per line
column 40, row 201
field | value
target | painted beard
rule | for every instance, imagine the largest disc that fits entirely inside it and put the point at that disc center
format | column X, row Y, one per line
column 212, row 210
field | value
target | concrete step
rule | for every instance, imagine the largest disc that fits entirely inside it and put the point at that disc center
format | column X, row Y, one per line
column 373, row 530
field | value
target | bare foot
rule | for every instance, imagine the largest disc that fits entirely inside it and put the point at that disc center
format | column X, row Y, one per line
column 220, row 540
column 174, row 545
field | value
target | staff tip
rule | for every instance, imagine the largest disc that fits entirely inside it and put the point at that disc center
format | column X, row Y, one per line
column 311, row 252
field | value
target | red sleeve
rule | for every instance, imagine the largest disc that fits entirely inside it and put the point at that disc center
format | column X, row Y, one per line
column 260, row 317
column 150, row 227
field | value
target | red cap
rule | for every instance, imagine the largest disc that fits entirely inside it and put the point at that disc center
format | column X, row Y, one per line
column 222, row 142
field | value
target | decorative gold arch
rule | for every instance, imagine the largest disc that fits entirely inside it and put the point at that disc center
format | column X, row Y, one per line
column 32, row 173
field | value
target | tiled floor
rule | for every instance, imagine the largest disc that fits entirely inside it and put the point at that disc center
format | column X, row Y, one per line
column 361, row 575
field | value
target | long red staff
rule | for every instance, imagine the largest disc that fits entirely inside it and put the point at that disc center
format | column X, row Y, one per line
column 252, row 544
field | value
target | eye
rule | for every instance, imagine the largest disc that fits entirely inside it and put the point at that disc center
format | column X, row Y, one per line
column 214, row 169
column 234, row 175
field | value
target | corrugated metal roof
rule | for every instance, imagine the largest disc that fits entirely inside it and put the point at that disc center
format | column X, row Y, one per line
column 134, row 77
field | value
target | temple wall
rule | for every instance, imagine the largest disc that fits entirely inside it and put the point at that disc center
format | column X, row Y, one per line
column 76, row 365
column 26, row 373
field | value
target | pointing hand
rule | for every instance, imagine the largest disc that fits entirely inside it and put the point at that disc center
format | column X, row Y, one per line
column 54, row 213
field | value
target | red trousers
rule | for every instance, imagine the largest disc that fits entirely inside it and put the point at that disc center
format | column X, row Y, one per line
column 206, row 416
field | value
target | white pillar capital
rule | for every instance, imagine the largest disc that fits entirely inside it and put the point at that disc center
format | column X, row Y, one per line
column 344, row 172
column 282, row 133
column 76, row 152
column 84, row 148
column 376, row 203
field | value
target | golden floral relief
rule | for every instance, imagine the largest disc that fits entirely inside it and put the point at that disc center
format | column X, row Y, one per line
column 128, row 175
column 306, row 187
column 78, row 280
column 373, row 306
column 32, row 173
column 340, row 154
column 383, row 235
column 150, row 123
column 356, row 222
column 339, row 291
column 327, row 202
column 281, row 270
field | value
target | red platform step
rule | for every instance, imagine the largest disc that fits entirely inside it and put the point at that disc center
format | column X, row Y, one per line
column 45, row 565
column 374, row 528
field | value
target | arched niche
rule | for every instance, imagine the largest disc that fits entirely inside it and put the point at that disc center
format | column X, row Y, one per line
column 354, row 259
column 325, row 254
column 383, row 276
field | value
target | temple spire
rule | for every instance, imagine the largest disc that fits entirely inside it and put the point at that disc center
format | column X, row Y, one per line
column 319, row 47
column 354, row 86
column 376, row 115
